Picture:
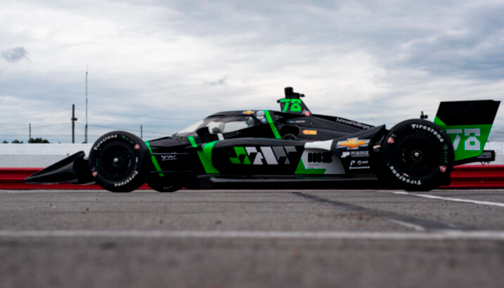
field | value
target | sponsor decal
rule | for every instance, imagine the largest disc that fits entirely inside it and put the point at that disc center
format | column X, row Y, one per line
column 353, row 123
column 309, row 132
column 445, row 148
column 360, row 153
column 168, row 157
column 94, row 173
column 127, row 139
column 390, row 140
column 359, row 165
column 104, row 140
column 442, row 168
column 263, row 155
column 137, row 146
column 319, row 161
column 260, row 113
column 248, row 112
column 353, row 143
column 355, row 154
column 428, row 129
column 485, row 155
column 404, row 177
column 263, row 120
column 296, row 121
column 320, row 157
column 359, row 168
column 307, row 113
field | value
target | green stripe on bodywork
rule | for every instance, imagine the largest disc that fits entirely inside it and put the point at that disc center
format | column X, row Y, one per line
column 300, row 170
column 206, row 158
column 192, row 141
column 468, row 140
column 154, row 161
column 205, row 155
column 272, row 124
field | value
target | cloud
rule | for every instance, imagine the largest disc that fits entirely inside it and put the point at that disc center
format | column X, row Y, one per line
column 15, row 54
column 221, row 81
column 374, row 61
column 470, row 49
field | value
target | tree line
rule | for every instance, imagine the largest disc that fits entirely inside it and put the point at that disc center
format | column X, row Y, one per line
column 32, row 140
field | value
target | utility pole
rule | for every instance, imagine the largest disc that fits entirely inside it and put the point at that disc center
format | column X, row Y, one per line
column 86, row 129
column 29, row 132
column 141, row 132
column 73, row 123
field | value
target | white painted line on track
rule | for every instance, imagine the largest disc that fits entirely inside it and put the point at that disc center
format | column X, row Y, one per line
column 408, row 225
column 436, row 235
column 488, row 203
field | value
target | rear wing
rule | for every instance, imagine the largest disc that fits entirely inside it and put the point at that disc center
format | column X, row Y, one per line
column 468, row 124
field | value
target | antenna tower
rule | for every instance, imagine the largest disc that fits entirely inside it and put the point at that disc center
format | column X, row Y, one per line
column 86, row 129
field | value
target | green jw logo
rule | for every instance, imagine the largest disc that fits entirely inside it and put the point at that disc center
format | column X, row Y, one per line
column 239, row 152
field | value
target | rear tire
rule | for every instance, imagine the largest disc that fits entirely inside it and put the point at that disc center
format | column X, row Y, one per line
column 119, row 161
column 416, row 155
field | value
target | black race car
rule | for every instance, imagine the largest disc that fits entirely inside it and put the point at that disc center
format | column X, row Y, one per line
column 291, row 148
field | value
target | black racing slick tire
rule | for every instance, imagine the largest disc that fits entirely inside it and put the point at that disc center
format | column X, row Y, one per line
column 119, row 161
column 416, row 155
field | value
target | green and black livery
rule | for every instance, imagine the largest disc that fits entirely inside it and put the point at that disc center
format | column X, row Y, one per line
column 291, row 148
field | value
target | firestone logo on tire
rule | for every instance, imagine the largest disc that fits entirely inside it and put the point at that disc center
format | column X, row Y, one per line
column 104, row 140
column 429, row 129
column 127, row 180
column 403, row 178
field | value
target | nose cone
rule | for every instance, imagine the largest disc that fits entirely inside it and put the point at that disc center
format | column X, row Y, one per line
column 72, row 169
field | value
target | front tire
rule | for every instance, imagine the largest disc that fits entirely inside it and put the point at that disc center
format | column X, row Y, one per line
column 416, row 155
column 119, row 161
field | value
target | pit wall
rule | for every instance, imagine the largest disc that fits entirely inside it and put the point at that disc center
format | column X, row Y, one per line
column 37, row 155
column 43, row 155
column 17, row 161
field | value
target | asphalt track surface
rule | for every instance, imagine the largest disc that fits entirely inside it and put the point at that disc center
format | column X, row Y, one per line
column 252, row 238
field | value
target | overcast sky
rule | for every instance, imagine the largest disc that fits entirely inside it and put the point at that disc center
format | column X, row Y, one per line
column 166, row 64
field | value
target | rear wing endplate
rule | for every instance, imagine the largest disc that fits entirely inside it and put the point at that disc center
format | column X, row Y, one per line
column 468, row 124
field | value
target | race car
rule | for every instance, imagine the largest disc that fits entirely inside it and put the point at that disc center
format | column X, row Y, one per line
column 291, row 148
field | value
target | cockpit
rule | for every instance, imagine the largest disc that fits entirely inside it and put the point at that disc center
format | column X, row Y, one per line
column 222, row 124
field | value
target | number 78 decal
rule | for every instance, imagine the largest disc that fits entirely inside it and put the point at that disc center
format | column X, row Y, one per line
column 295, row 105
column 471, row 143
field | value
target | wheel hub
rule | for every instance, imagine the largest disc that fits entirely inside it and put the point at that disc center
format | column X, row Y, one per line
column 417, row 155
column 116, row 160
